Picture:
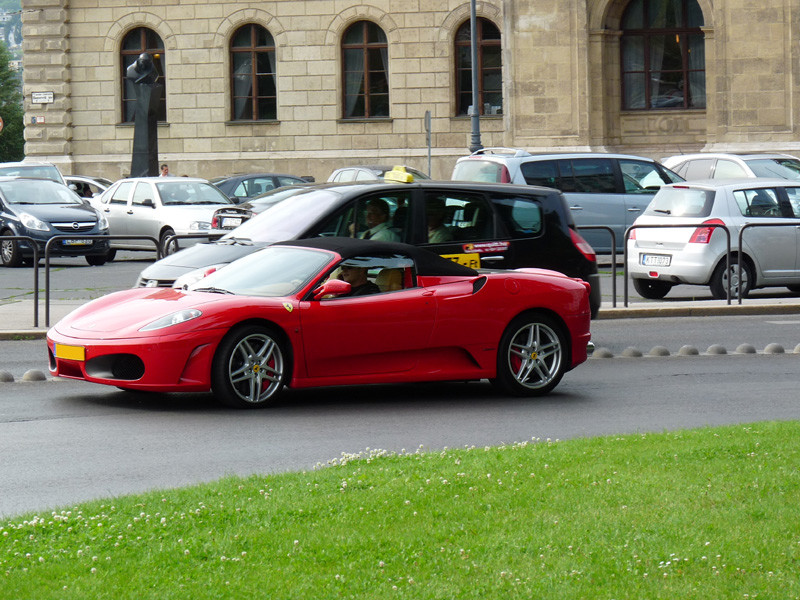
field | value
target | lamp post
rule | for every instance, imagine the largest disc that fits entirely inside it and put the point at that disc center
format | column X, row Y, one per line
column 475, row 115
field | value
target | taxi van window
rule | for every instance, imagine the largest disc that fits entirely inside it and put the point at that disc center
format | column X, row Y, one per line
column 458, row 217
column 521, row 216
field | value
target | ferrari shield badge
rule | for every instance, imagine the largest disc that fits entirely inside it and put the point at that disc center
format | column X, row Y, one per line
column 288, row 306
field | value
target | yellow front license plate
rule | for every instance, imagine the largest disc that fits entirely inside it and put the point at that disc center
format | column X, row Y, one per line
column 70, row 352
column 472, row 260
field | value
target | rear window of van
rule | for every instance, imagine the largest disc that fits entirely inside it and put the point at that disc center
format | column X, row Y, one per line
column 478, row 170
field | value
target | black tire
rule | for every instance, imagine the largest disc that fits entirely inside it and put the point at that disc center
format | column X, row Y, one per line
column 112, row 254
column 9, row 251
column 652, row 289
column 532, row 357
column 795, row 289
column 242, row 359
column 166, row 249
column 96, row 260
column 719, row 279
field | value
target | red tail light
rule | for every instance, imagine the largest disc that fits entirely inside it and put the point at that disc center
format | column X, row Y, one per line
column 702, row 235
column 215, row 222
column 505, row 177
column 632, row 235
column 582, row 245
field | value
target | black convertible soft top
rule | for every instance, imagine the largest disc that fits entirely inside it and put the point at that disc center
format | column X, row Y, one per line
column 427, row 262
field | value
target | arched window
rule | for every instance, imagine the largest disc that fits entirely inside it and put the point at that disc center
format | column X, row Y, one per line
column 490, row 69
column 253, row 88
column 663, row 55
column 134, row 43
column 365, row 67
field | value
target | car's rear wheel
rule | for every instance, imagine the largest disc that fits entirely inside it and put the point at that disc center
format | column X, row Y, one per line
column 532, row 356
column 652, row 289
column 250, row 367
column 9, row 251
column 741, row 274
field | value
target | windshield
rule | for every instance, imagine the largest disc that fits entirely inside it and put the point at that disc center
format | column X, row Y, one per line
column 273, row 272
column 785, row 168
column 681, row 201
column 40, row 171
column 37, row 191
column 287, row 220
column 189, row 192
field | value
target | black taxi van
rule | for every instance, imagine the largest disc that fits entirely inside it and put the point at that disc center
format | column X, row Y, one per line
column 483, row 225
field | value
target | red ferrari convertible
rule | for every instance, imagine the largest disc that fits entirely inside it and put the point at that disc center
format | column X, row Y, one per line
column 330, row 311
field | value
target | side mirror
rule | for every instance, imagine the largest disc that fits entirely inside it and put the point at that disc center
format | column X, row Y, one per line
column 332, row 288
column 148, row 202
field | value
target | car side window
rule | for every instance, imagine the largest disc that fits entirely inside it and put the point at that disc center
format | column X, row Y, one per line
column 453, row 216
column 697, row 169
column 587, row 175
column 793, row 194
column 370, row 275
column 640, row 177
column 758, row 203
column 141, row 193
column 540, row 172
column 727, row 169
column 120, row 195
column 353, row 220
column 521, row 215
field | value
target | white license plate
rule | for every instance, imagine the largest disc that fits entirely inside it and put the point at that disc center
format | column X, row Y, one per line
column 231, row 222
column 656, row 260
column 77, row 242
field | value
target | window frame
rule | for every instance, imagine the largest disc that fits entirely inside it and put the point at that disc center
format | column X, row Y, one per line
column 255, row 95
column 463, row 68
column 128, row 56
column 369, row 84
column 681, row 97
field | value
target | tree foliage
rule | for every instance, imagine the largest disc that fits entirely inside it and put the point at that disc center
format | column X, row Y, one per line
column 12, row 140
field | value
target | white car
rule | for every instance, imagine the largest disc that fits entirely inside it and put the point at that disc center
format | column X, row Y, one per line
column 159, row 207
column 659, row 258
column 711, row 165
column 87, row 187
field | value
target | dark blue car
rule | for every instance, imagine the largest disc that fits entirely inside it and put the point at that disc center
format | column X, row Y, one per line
column 42, row 209
column 243, row 187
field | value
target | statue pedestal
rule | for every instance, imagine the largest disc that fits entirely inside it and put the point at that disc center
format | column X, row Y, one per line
column 144, row 159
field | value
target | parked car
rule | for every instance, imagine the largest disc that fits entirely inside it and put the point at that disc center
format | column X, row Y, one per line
column 40, row 170
column 243, row 187
column 280, row 317
column 369, row 173
column 659, row 258
column 87, row 187
column 159, row 207
column 42, row 209
column 230, row 217
column 601, row 189
column 708, row 165
column 481, row 225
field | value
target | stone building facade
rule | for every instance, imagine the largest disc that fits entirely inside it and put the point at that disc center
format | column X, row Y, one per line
column 562, row 82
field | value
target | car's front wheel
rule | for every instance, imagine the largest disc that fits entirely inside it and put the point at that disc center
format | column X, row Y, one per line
column 250, row 367
column 167, row 247
column 741, row 274
column 532, row 357
column 96, row 260
column 9, row 251
column 652, row 289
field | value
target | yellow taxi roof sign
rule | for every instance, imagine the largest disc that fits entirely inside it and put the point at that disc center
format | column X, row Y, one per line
column 399, row 175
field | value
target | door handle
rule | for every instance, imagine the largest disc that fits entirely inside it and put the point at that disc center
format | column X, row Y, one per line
column 427, row 293
column 576, row 208
column 634, row 210
column 130, row 212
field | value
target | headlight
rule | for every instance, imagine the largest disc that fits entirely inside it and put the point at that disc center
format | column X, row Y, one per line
column 32, row 222
column 174, row 319
column 200, row 225
column 191, row 277
column 102, row 222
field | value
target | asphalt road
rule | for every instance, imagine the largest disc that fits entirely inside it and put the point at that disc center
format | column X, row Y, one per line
column 64, row 442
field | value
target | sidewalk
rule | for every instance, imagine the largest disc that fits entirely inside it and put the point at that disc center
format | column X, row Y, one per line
column 17, row 317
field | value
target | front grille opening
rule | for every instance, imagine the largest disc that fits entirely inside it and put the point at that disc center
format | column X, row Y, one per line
column 125, row 367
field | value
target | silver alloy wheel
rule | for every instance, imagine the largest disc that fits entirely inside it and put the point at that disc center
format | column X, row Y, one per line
column 255, row 368
column 737, row 276
column 6, row 250
column 534, row 355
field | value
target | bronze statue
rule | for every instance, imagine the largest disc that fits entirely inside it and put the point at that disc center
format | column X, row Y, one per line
column 143, row 74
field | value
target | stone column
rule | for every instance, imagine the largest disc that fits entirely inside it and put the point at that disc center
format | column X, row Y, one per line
column 47, row 68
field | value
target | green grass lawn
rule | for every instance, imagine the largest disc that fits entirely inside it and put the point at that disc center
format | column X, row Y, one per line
column 705, row 514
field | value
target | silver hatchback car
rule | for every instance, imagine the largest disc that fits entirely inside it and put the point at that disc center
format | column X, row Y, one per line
column 659, row 258
column 159, row 207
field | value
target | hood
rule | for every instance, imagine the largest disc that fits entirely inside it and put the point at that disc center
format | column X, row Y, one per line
column 196, row 257
column 58, row 213
column 124, row 313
